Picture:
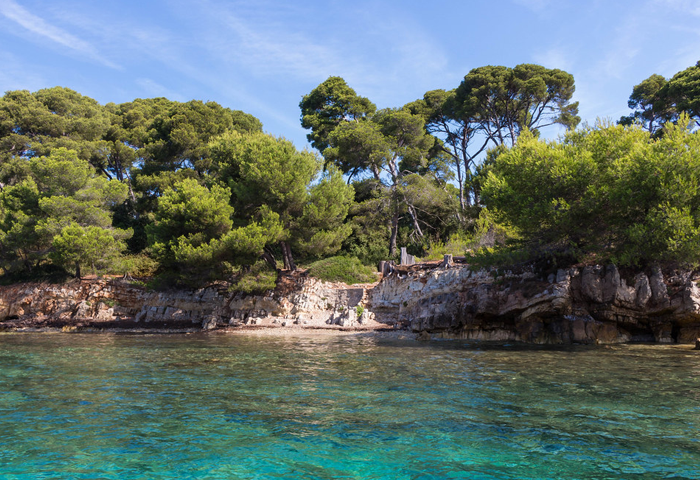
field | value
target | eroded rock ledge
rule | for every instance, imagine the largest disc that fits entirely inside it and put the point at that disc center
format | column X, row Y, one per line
column 594, row 304
column 115, row 304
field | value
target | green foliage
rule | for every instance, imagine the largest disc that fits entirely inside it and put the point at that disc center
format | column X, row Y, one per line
column 491, row 107
column 368, row 220
column 193, row 211
column 329, row 105
column 457, row 244
column 456, row 136
column 43, row 273
column 348, row 270
column 505, row 101
column 648, row 108
column 193, row 229
column 248, row 242
column 174, row 135
column 188, row 218
column 608, row 191
column 359, row 309
column 139, row 265
column 657, row 101
column 34, row 124
column 505, row 256
column 683, row 91
column 258, row 280
column 268, row 174
column 358, row 146
column 61, row 190
column 321, row 228
column 90, row 246
column 393, row 146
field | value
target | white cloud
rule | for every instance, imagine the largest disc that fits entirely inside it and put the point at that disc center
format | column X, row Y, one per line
column 555, row 57
column 243, row 39
column 40, row 27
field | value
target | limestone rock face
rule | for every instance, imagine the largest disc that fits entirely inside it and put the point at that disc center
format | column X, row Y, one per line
column 105, row 304
column 116, row 304
column 593, row 304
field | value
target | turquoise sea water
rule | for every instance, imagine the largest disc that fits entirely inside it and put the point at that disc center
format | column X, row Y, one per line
column 223, row 406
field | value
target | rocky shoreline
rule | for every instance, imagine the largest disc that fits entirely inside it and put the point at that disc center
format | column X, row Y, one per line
column 587, row 305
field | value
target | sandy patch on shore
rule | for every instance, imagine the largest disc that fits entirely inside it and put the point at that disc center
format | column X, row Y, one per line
column 263, row 331
column 247, row 330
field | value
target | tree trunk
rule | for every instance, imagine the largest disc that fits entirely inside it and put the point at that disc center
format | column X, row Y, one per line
column 462, row 205
column 77, row 270
column 460, row 181
column 25, row 260
column 394, row 233
column 377, row 174
column 269, row 258
column 287, row 255
column 414, row 218
column 131, row 191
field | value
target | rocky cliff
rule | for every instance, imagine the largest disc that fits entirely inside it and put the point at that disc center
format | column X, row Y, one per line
column 117, row 304
column 594, row 304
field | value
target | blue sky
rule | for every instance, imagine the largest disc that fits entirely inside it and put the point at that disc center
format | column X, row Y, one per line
column 262, row 56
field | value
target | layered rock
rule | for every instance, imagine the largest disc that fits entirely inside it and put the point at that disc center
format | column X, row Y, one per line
column 106, row 304
column 118, row 304
column 579, row 305
column 593, row 304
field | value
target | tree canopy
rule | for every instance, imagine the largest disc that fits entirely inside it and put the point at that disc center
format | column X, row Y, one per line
column 194, row 191
column 327, row 106
column 656, row 100
column 269, row 173
column 491, row 106
column 389, row 144
column 60, row 198
column 606, row 191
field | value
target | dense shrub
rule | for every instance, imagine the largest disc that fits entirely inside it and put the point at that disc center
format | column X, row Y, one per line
column 342, row 269
column 608, row 193
column 258, row 279
column 138, row 265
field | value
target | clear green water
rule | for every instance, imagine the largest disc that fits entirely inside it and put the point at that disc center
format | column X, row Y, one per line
column 217, row 406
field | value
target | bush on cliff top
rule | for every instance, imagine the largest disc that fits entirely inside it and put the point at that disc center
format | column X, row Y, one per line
column 257, row 280
column 342, row 269
column 609, row 193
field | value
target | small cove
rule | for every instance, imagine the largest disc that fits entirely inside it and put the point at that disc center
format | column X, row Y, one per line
column 234, row 406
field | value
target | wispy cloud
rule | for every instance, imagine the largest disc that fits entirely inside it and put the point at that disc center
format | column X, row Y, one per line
column 664, row 19
column 155, row 89
column 686, row 6
column 38, row 26
column 415, row 57
column 621, row 50
column 534, row 5
column 555, row 57
column 263, row 46
column 243, row 40
column 14, row 74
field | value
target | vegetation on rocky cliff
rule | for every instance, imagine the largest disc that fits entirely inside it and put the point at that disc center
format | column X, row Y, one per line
column 196, row 192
